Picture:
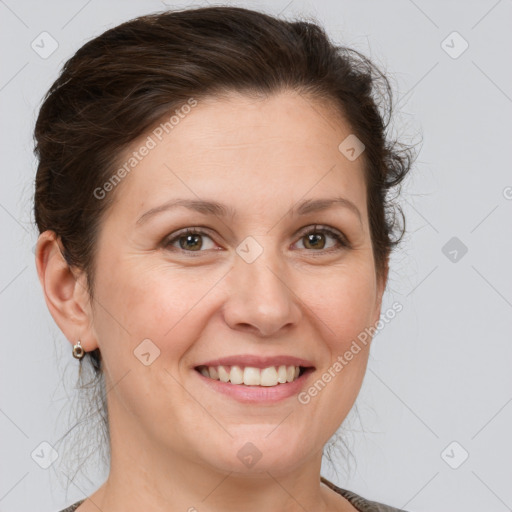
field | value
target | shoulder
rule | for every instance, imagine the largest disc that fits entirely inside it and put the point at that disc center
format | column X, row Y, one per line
column 360, row 503
column 73, row 507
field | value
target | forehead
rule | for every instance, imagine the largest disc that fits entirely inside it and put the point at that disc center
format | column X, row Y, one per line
column 244, row 150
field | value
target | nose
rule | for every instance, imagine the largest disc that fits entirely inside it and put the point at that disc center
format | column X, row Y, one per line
column 261, row 297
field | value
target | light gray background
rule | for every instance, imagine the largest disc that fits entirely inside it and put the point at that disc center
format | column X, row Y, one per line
column 439, row 372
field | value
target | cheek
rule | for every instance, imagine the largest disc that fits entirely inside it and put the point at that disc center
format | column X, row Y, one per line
column 159, row 303
column 344, row 303
column 341, row 313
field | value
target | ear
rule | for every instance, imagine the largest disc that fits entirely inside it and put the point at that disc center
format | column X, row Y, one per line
column 65, row 292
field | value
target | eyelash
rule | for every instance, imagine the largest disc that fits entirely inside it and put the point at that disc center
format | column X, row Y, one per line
column 339, row 237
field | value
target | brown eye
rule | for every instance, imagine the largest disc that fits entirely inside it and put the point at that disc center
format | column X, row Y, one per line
column 190, row 240
column 316, row 239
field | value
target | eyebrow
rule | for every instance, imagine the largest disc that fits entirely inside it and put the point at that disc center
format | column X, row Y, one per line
column 221, row 210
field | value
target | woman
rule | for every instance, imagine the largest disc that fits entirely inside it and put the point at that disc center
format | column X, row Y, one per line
column 212, row 204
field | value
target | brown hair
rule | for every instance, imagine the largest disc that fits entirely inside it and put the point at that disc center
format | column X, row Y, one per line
column 118, row 85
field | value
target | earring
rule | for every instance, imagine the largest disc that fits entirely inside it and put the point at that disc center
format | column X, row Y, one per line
column 78, row 351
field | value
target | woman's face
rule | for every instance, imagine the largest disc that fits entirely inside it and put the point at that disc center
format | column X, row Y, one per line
column 250, row 279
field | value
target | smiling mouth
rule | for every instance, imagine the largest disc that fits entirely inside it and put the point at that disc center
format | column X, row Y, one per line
column 250, row 376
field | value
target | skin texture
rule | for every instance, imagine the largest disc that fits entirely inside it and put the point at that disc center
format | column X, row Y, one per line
column 174, row 441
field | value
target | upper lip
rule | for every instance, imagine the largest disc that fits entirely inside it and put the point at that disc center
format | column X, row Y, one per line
column 255, row 361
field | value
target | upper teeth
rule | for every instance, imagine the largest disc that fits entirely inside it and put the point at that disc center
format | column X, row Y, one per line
column 250, row 376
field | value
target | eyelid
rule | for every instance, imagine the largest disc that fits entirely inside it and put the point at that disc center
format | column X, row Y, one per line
column 176, row 235
column 339, row 236
column 314, row 228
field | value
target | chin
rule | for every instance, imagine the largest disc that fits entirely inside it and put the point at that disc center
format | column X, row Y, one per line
column 264, row 450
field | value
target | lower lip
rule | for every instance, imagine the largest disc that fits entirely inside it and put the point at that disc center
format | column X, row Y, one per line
column 257, row 394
